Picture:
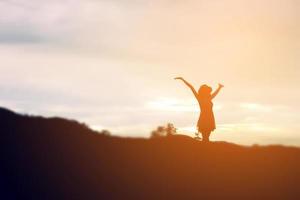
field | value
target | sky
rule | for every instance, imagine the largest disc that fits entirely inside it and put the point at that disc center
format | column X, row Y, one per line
column 111, row 64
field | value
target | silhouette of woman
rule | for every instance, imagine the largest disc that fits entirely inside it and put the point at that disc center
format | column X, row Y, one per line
column 206, row 123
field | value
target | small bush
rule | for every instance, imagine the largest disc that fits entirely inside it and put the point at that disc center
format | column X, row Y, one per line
column 163, row 131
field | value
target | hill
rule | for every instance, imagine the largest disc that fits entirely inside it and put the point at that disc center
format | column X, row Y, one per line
column 55, row 158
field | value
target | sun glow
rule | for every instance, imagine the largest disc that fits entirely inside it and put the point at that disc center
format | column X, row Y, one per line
column 255, row 107
column 176, row 105
column 168, row 104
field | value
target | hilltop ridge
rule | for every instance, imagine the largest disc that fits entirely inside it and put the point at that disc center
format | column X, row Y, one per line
column 55, row 158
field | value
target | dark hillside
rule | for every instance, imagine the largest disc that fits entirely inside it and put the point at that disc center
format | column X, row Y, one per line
column 54, row 158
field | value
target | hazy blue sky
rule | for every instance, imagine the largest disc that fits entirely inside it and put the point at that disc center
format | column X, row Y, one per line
column 111, row 63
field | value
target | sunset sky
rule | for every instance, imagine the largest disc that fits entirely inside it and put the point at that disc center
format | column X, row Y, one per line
column 111, row 64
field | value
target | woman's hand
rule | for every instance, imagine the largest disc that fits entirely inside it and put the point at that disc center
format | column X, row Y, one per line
column 220, row 85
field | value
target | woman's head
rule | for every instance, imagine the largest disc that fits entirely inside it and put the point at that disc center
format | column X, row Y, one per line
column 204, row 91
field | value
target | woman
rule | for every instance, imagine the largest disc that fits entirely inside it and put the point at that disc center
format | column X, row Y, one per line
column 206, row 123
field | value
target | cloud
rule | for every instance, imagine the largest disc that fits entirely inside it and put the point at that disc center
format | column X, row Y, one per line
column 32, row 21
column 35, row 99
column 175, row 105
column 19, row 36
column 89, row 24
column 256, row 107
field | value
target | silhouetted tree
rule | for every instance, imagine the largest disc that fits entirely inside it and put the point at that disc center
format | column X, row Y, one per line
column 163, row 131
column 170, row 129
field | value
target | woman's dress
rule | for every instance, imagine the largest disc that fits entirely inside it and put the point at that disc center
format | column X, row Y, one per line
column 206, row 122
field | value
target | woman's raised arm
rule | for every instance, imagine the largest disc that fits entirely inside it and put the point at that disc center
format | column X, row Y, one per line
column 189, row 85
column 217, row 91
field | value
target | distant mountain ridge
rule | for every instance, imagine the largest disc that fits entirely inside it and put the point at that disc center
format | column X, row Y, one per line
column 55, row 158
